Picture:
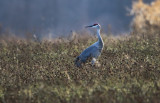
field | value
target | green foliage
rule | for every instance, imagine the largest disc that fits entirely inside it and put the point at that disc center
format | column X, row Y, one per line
column 32, row 72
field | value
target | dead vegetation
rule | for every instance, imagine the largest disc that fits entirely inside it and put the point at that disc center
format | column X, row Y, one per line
column 146, row 17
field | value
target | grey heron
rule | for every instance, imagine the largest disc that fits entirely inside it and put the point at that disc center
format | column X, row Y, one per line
column 92, row 51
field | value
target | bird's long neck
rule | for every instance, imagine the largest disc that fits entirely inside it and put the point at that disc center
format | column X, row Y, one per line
column 99, row 37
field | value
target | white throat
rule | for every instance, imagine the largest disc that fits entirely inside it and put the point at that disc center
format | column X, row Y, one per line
column 99, row 36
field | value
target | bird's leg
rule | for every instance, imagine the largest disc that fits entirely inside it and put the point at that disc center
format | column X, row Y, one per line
column 93, row 61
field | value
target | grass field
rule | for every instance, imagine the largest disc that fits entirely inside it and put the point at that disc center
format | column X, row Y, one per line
column 33, row 72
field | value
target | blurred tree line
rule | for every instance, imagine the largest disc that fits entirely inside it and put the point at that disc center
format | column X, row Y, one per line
column 61, row 17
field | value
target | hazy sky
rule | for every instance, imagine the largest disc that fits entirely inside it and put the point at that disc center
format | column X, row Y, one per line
column 63, row 16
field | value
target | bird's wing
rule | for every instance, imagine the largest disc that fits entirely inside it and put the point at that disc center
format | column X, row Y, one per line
column 88, row 51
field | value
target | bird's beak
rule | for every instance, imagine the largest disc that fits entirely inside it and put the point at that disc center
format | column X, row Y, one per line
column 88, row 26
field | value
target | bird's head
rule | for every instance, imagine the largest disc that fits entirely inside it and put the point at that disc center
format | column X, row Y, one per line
column 94, row 26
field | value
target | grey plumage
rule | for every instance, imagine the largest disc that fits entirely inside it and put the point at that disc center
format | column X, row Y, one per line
column 92, row 51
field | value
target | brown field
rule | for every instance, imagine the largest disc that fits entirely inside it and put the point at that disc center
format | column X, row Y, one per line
column 44, row 72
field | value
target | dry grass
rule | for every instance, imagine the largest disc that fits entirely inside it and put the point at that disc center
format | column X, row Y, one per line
column 146, row 17
column 44, row 72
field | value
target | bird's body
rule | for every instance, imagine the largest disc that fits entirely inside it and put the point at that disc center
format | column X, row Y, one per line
column 92, row 51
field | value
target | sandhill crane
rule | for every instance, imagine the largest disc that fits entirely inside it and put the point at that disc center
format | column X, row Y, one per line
column 92, row 51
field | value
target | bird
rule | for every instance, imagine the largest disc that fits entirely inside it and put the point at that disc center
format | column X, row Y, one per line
column 93, row 51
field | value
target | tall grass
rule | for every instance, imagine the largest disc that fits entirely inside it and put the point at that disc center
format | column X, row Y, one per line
column 44, row 72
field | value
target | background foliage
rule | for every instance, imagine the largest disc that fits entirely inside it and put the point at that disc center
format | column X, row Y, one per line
column 146, row 17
